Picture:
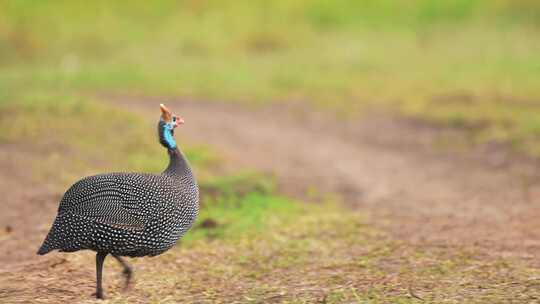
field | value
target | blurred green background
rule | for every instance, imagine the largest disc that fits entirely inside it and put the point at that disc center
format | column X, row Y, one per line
column 465, row 62
column 472, row 63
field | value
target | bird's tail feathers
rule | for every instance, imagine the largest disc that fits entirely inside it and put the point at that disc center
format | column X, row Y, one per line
column 44, row 249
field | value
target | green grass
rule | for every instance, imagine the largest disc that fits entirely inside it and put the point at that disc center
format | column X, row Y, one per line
column 463, row 63
column 240, row 206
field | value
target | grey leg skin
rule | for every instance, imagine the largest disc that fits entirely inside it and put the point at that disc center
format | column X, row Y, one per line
column 128, row 273
column 100, row 258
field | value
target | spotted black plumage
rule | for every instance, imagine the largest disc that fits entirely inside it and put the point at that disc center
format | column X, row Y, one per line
column 128, row 214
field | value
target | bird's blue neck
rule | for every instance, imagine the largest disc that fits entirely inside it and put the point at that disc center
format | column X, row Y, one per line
column 178, row 165
column 168, row 137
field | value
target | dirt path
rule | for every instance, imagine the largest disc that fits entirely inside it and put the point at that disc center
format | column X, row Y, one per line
column 422, row 183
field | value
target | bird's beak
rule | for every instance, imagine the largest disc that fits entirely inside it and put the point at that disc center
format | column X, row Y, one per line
column 166, row 114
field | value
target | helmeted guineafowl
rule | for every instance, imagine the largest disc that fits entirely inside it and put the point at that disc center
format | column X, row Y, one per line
column 128, row 214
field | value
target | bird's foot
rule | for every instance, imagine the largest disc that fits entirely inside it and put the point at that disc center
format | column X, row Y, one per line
column 128, row 275
column 99, row 295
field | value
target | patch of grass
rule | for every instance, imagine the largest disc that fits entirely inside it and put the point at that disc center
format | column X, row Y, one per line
column 242, row 217
column 236, row 186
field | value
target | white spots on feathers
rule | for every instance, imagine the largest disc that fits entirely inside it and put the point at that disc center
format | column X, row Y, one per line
column 127, row 214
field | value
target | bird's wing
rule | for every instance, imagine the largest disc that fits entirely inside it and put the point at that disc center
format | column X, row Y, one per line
column 117, row 199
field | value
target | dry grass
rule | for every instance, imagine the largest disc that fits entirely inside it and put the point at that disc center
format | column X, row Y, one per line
column 324, row 256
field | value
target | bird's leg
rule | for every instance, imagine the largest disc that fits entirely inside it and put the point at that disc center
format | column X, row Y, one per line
column 100, row 258
column 128, row 273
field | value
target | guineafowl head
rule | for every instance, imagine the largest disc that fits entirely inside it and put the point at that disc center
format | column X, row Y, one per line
column 167, row 123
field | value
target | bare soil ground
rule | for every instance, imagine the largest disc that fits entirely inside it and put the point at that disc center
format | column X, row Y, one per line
column 425, row 185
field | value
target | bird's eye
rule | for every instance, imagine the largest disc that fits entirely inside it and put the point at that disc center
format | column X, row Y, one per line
column 174, row 118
